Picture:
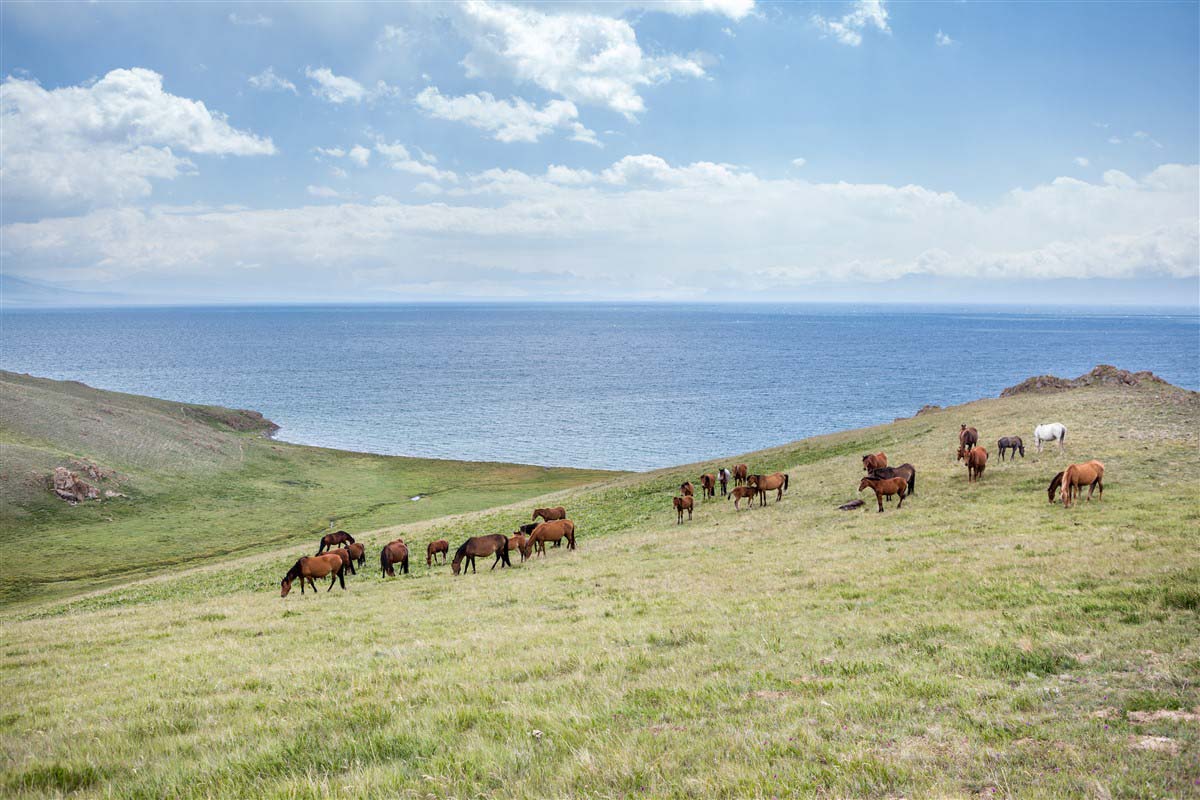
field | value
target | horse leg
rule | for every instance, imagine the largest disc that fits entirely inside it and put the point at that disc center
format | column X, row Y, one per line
column 900, row 505
column 879, row 500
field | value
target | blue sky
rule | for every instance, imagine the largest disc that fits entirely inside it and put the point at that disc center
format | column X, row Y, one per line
column 709, row 150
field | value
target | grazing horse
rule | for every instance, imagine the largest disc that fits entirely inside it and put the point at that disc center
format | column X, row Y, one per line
column 1012, row 443
column 723, row 476
column 517, row 542
column 358, row 552
column 549, row 532
column 393, row 553
column 976, row 462
column 906, row 471
column 776, row 481
column 1050, row 432
column 309, row 567
column 1076, row 476
column 1052, row 489
column 529, row 528
column 885, row 487
column 686, row 489
column 708, row 486
column 344, row 555
column 339, row 539
column 874, row 461
column 491, row 544
column 549, row 514
column 967, row 437
column 741, row 493
column 682, row 504
column 432, row 550
column 740, row 471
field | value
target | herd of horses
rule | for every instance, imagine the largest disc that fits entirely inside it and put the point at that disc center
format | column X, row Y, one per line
column 338, row 552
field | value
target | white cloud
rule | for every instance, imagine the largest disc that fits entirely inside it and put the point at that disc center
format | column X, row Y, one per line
column 515, row 120
column 1145, row 137
column 942, row 39
column 102, row 143
column 323, row 191
column 341, row 89
column 799, row 162
column 359, row 155
column 257, row 21
column 1082, row 161
column 734, row 9
column 584, row 58
column 268, row 81
column 848, row 29
column 1114, row 140
column 392, row 37
column 398, row 158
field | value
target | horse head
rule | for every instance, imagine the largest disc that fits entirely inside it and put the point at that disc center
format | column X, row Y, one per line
column 285, row 586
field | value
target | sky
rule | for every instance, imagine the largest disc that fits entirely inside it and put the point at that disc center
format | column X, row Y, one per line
column 701, row 150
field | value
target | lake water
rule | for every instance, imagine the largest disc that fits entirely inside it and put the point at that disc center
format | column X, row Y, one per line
column 613, row 386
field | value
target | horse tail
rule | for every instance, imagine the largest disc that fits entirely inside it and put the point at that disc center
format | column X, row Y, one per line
column 1062, row 437
column 785, row 481
column 384, row 561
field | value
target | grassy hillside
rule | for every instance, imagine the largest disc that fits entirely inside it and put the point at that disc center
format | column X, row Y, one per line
column 200, row 483
column 980, row 642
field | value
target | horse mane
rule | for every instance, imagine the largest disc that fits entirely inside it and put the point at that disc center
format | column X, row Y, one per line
column 349, row 538
column 295, row 570
column 461, row 551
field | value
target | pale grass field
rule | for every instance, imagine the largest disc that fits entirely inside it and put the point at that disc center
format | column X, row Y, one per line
column 980, row 642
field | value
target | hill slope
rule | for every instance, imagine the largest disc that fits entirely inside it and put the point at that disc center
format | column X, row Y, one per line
column 978, row 642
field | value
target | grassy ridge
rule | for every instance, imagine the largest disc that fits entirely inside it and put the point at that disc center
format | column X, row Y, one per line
column 978, row 642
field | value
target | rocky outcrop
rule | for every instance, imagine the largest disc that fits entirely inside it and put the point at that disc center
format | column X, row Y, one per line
column 1103, row 375
column 928, row 409
column 70, row 487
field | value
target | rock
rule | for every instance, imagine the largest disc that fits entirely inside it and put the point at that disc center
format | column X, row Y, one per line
column 110, row 493
column 928, row 409
column 1102, row 375
column 69, row 487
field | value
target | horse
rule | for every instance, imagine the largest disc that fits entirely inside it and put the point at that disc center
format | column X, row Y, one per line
column 1050, row 432
column 906, row 471
column 1052, row 489
column 491, row 544
column 682, row 504
column 1089, row 473
column 686, row 489
column 517, row 542
column 529, row 528
column 976, row 462
column 740, row 471
column 393, row 553
column 309, row 567
column 885, row 487
column 549, row 532
column 741, row 493
column 874, row 461
column 358, row 552
column 723, row 476
column 967, row 437
column 339, row 539
column 549, row 514
column 1012, row 443
column 708, row 486
column 344, row 555
column 432, row 550
column 777, row 481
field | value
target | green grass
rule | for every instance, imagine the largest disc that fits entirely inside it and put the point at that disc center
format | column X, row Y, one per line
column 978, row 642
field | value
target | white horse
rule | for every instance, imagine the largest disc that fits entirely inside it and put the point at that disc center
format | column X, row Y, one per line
column 1050, row 432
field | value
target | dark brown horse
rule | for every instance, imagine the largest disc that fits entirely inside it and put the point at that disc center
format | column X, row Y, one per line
column 885, row 487
column 740, row 471
column 1052, row 489
column 686, row 489
column 432, row 550
column 1012, row 443
column 491, row 544
column 550, row 514
column 393, row 553
column 906, row 471
column 723, row 476
column 554, row 531
column 309, row 567
column 740, row 493
column 976, row 459
column 339, row 539
column 517, row 542
column 967, row 437
column 344, row 555
column 874, row 461
column 708, row 486
column 1076, row 476
column 776, row 482
column 358, row 552
column 682, row 504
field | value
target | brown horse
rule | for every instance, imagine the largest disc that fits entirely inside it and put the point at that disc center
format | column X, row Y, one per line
column 686, row 489
column 393, row 553
column 1055, row 483
column 906, row 471
column 682, row 504
column 491, row 544
column 976, row 459
column 358, row 552
column 529, row 528
column 339, row 539
column 740, row 493
column 967, row 437
column 309, row 567
column 874, row 461
column 1012, row 443
column 517, row 542
column 708, row 486
column 1076, row 476
column 776, row 481
column 885, row 487
column 432, row 550
column 723, row 476
column 549, row 532
column 550, row 514
column 344, row 555
column 740, row 471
